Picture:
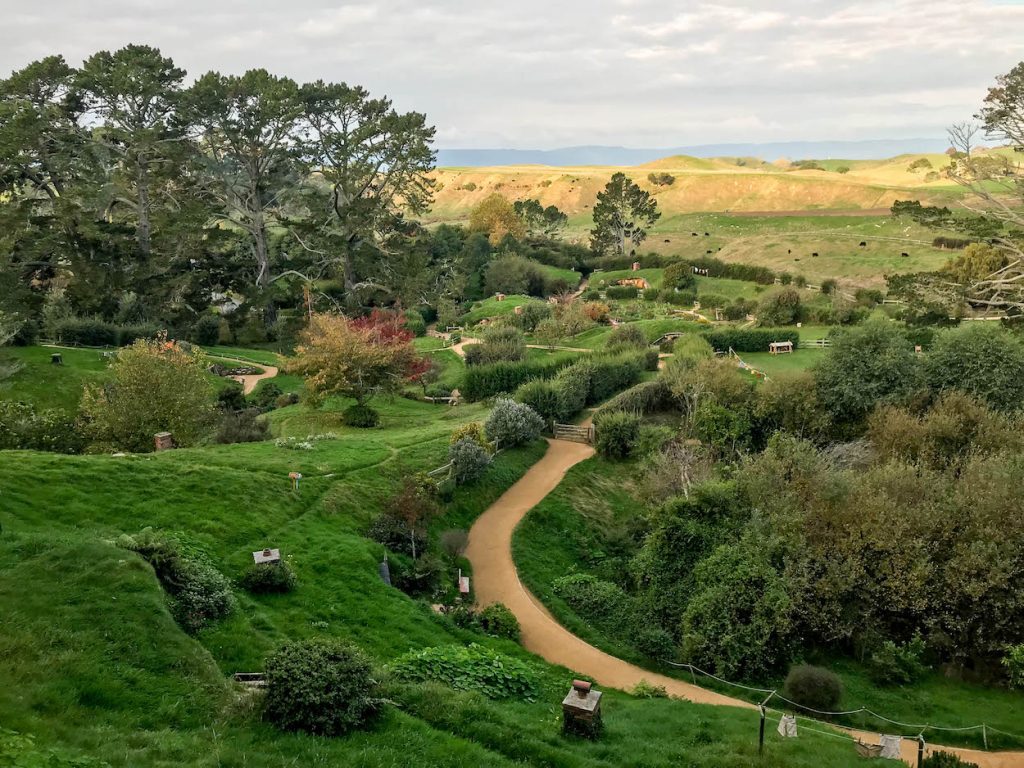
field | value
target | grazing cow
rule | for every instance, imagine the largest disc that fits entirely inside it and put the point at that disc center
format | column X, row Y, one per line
column 707, row 234
column 862, row 244
column 708, row 251
column 814, row 254
column 904, row 254
column 796, row 258
column 693, row 234
column 667, row 240
column 789, row 250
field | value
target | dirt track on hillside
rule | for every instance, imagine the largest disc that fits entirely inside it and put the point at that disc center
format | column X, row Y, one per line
column 496, row 580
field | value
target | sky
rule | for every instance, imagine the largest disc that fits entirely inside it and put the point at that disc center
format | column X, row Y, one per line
column 540, row 74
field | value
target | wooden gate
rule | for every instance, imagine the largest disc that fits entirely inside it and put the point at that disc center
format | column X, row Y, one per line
column 573, row 432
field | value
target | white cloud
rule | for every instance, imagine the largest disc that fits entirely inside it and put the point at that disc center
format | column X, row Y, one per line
column 540, row 74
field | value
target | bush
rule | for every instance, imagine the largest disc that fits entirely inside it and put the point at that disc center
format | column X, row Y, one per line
column 646, row 690
column 749, row 340
column 543, row 397
column 661, row 179
column 898, row 664
column 678, row 276
column 23, row 427
column 499, row 345
column 319, row 686
column 616, row 433
column 269, row 578
column 621, row 292
column 469, row 460
column 1013, row 663
column 626, row 337
column 946, row 760
column 497, row 620
column 782, row 307
column 86, row 332
column 393, row 532
column 609, row 375
column 453, row 542
column 813, row 688
column 654, row 642
column 231, row 397
column 829, row 286
column 643, row 398
column 510, row 424
column 471, row 430
column 652, row 294
column 482, row 381
column 572, row 386
column 242, row 427
column 601, row 602
column 679, row 298
column 414, row 323
column 206, row 330
column 288, row 398
column 470, row 668
column 265, row 395
column 591, row 294
column 199, row 593
column 362, row 416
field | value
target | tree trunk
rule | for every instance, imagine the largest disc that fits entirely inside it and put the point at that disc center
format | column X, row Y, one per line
column 142, row 229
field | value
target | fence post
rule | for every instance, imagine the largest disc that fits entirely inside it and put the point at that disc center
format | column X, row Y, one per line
column 920, row 750
column 984, row 736
column 760, row 734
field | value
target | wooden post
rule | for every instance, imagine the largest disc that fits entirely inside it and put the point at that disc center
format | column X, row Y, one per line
column 760, row 735
column 984, row 736
column 920, row 751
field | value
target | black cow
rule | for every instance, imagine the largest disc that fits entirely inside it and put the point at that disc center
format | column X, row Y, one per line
column 708, row 251
column 862, row 244
column 904, row 254
column 667, row 240
column 707, row 234
column 694, row 234
column 814, row 254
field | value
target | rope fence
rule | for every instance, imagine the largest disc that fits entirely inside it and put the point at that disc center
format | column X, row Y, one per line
column 919, row 728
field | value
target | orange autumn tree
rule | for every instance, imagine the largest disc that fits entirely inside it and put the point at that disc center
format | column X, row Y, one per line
column 356, row 357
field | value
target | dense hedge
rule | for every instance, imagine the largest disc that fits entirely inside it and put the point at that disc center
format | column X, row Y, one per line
column 750, row 340
column 482, row 381
column 91, row 332
column 715, row 267
column 621, row 292
column 583, row 383
column 643, row 398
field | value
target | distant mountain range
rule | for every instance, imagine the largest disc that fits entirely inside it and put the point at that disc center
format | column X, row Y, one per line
column 877, row 149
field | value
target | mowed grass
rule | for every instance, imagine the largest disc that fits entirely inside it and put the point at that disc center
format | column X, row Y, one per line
column 92, row 664
column 585, row 525
column 45, row 385
column 491, row 307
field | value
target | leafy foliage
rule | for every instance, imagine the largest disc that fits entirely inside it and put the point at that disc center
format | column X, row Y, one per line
column 623, row 212
column 469, row 460
column 269, row 578
column 617, row 433
column 320, row 686
column 470, row 668
column 814, row 687
column 510, row 423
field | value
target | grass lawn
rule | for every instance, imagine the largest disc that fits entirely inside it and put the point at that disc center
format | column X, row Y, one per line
column 572, row 277
column 259, row 356
column 773, row 365
column 585, row 526
column 45, row 385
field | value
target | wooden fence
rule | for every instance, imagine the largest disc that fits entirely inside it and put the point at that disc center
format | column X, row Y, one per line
column 573, row 432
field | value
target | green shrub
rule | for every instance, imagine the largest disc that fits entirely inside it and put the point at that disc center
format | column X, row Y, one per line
column 269, row 578
column 469, row 460
column 626, row 337
column 654, row 642
column 612, row 374
column 749, row 340
column 621, row 292
column 481, row 381
column 23, row 427
column 510, row 424
column 946, row 760
column 616, row 433
column 231, row 397
column 829, row 286
column 542, row 396
column 129, row 334
column 898, row 664
column 1013, row 663
column 199, row 593
column 288, row 398
column 265, row 395
column 499, row 345
column 243, row 426
column 362, row 416
column 679, row 298
column 814, row 688
column 643, row 398
column 470, row 668
column 319, row 686
column 415, row 323
column 646, row 690
column 21, row 751
column 497, row 620
column 572, row 386
column 471, row 430
column 393, row 532
column 591, row 294
column 599, row 601
column 86, row 332
column 678, row 275
column 652, row 294
column 206, row 330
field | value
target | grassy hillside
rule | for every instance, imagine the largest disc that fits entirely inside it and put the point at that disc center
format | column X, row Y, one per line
column 92, row 664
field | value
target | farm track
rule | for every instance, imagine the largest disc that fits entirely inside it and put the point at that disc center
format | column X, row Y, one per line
column 496, row 580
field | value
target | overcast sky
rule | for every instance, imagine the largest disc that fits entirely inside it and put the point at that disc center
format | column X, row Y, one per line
column 551, row 73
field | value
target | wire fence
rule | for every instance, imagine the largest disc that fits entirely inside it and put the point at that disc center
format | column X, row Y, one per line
column 918, row 729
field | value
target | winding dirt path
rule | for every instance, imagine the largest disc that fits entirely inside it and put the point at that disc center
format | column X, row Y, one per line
column 249, row 381
column 496, row 580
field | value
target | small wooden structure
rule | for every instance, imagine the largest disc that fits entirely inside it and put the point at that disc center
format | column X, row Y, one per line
column 163, row 441
column 780, row 347
column 499, row 296
column 266, row 556
column 518, row 310
column 251, row 679
column 57, row 358
column 581, row 711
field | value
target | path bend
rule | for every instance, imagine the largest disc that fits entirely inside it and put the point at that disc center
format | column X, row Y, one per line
column 496, row 580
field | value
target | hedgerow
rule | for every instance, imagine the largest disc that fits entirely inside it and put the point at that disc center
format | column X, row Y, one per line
column 749, row 340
